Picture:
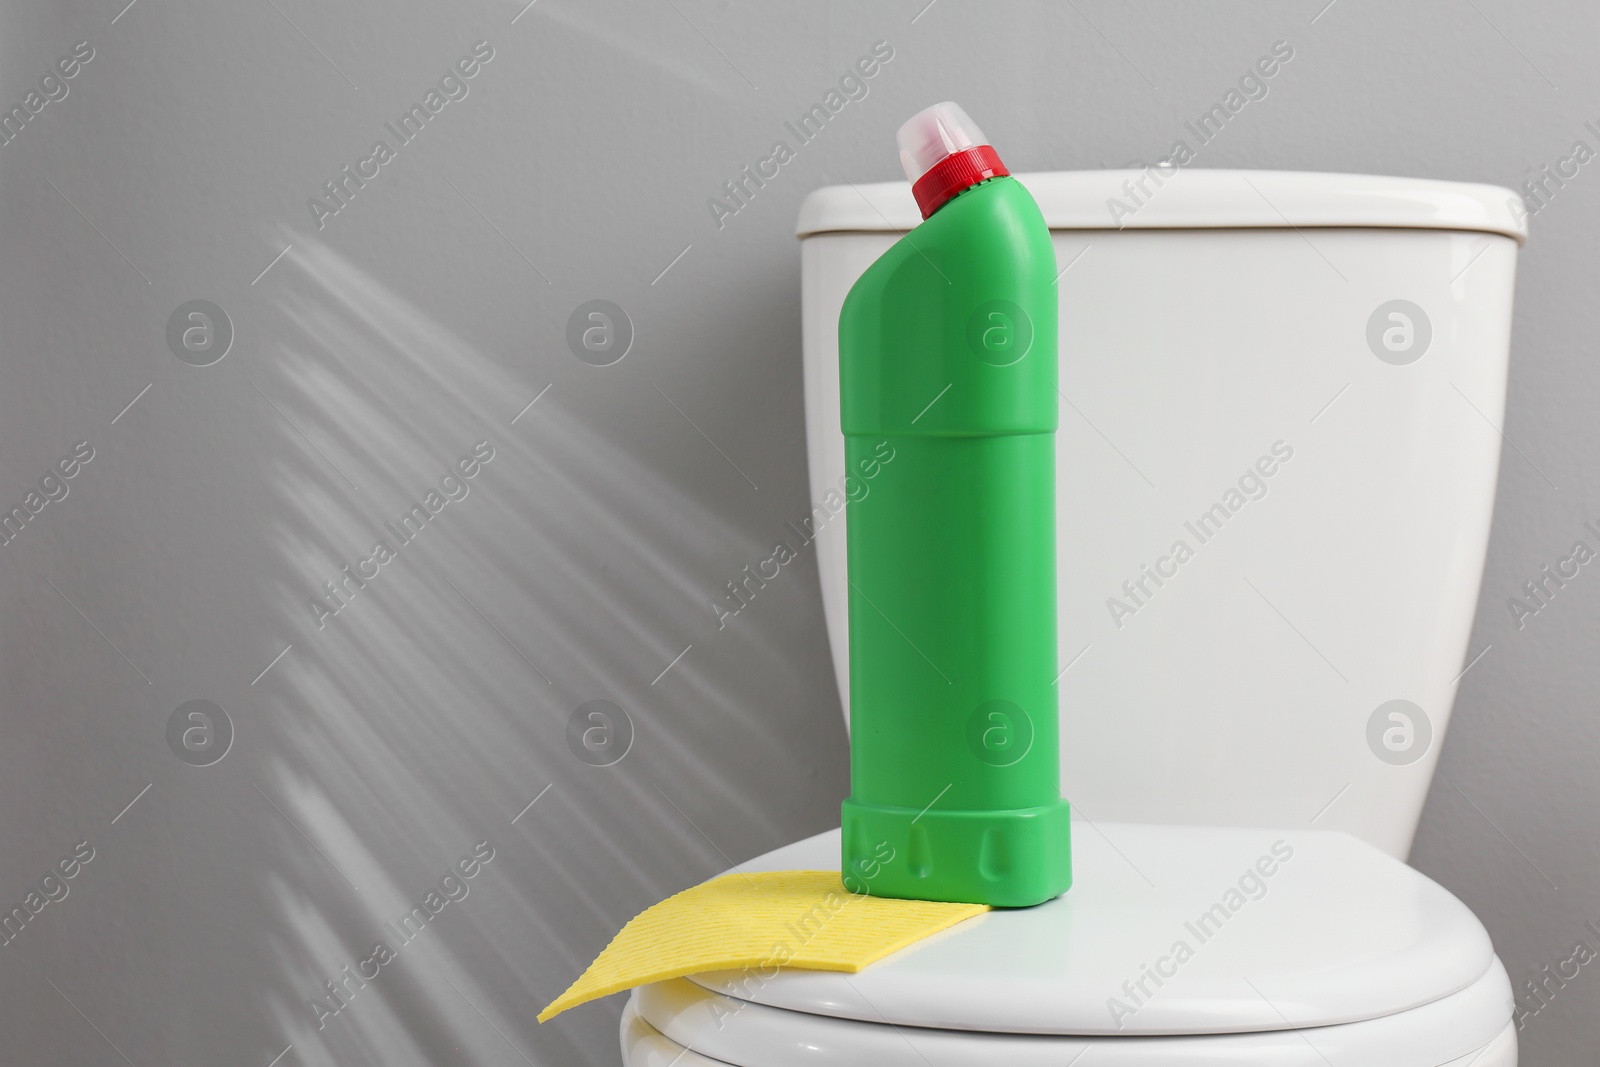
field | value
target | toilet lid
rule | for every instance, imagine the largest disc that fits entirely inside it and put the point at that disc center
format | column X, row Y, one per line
column 1166, row 930
column 677, row 1024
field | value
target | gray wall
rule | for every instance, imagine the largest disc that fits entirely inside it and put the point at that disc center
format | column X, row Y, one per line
column 421, row 719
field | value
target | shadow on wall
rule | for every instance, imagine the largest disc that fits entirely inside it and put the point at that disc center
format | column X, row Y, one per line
column 428, row 700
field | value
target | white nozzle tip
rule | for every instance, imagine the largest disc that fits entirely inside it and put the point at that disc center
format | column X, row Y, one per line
column 934, row 134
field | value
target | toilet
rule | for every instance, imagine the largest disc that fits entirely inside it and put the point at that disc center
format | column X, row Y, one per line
column 1280, row 405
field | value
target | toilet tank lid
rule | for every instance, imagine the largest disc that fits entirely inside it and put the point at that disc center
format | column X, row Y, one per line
column 1205, row 199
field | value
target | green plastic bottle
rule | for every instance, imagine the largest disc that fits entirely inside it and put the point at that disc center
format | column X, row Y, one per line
column 947, row 359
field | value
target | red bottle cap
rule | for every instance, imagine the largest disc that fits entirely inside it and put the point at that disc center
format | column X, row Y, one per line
column 943, row 153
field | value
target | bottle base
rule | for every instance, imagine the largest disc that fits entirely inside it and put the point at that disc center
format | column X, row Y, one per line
column 1008, row 859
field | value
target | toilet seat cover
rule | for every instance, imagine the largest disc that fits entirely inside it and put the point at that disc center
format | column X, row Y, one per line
column 1167, row 930
column 664, row 1021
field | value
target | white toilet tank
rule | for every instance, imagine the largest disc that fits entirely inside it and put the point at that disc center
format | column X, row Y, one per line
column 1281, row 396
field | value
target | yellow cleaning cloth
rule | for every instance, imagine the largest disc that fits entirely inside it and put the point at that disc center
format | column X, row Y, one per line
column 768, row 919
